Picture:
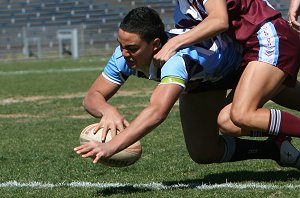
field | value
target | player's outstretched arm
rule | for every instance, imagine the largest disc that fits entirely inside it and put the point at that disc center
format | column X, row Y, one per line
column 162, row 100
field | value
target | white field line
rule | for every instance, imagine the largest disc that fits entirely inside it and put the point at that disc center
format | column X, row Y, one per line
column 151, row 186
column 47, row 71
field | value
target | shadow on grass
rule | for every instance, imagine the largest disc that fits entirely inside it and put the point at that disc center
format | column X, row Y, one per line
column 221, row 178
column 128, row 189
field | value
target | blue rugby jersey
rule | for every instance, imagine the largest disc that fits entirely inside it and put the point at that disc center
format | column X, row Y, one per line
column 207, row 61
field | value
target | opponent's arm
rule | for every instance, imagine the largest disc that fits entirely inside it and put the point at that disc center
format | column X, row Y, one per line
column 215, row 23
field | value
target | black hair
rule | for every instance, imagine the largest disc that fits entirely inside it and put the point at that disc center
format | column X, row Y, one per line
column 145, row 22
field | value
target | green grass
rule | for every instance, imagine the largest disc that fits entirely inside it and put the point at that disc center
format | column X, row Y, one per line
column 42, row 117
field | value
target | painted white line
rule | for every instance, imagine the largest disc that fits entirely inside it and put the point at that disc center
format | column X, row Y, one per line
column 47, row 71
column 152, row 186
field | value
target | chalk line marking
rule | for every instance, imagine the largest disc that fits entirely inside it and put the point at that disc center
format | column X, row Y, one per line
column 47, row 71
column 151, row 186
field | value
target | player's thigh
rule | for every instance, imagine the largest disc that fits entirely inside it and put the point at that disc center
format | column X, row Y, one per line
column 259, row 82
column 199, row 114
column 289, row 97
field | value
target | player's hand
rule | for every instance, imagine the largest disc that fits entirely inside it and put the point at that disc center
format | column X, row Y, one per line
column 93, row 148
column 113, row 121
column 165, row 53
column 294, row 12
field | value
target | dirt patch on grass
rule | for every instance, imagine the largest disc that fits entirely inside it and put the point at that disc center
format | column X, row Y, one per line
column 20, row 115
column 121, row 93
column 86, row 116
column 14, row 100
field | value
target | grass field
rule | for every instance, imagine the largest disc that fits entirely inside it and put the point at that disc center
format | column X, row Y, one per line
column 41, row 118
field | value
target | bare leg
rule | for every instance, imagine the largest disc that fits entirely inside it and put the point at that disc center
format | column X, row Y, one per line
column 287, row 97
column 259, row 83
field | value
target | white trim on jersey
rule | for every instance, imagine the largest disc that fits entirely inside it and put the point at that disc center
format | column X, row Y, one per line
column 204, row 2
column 109, row 79
column 186, row 8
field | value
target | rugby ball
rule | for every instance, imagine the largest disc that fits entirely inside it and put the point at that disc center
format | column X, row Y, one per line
column 123, row 158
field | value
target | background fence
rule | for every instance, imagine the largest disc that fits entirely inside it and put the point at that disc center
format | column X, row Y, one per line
column 32, row 29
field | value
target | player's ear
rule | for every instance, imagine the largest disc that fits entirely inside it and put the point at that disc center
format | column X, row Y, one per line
column 156, row 44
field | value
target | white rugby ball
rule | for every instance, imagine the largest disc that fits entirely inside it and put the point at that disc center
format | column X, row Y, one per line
column 123, row 158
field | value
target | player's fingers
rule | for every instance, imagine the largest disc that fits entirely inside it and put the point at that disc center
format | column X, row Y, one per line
column 77, row 148
column 104, row 133
column 82, row 149
column 113, row 130
column 161, row 63
column 97, row 158
column 88, row 154
column 296, row 29
column 126, row 123
column 158, row 60
column 97, row 127
column 156, row 63
column 120, row 127
column 293, row 22
column 296, row 26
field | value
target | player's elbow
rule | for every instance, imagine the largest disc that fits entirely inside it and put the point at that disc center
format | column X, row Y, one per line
column 222, row 24
column 89, row 100
column 85, row 103
column 219, row 23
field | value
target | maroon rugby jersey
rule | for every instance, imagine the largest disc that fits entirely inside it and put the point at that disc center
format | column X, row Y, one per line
column 245, row 16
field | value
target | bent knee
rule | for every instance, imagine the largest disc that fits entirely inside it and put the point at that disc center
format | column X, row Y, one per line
column 223, row 121
column 240, row 118
column 226, row 126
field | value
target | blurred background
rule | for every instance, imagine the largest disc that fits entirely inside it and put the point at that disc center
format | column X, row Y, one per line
column 43, row 29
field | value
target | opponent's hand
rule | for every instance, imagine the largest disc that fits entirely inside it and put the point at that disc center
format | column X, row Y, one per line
column 94, row 148
column 293, row 14
column 165, row 53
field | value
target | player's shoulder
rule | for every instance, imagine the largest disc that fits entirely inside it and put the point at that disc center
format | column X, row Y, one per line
column 175, row 66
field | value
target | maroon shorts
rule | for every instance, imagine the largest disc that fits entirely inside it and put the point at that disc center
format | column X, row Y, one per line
column 275, row 43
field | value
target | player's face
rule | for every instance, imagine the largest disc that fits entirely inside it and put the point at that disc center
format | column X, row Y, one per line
column 137, row 52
